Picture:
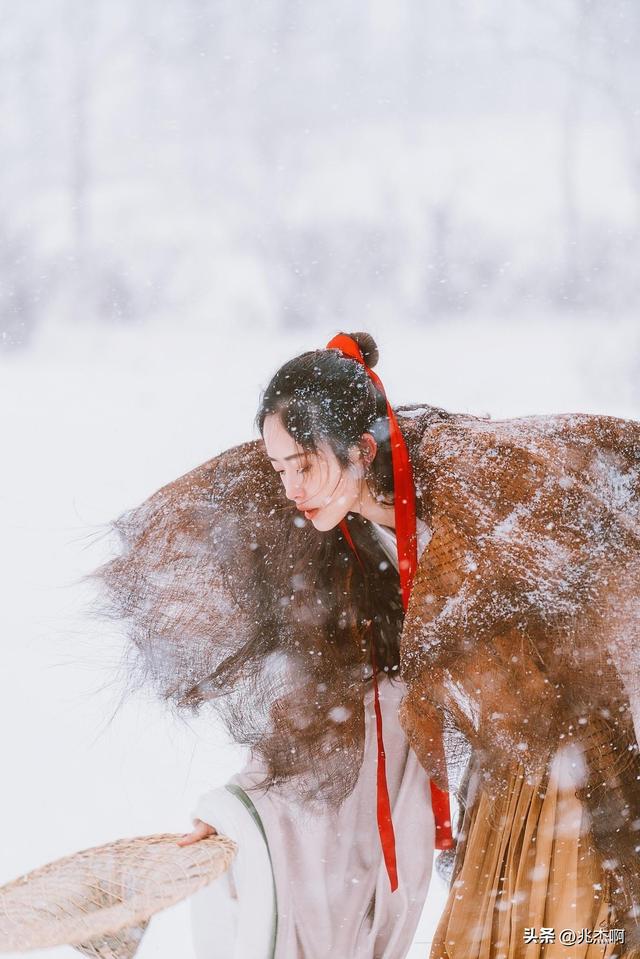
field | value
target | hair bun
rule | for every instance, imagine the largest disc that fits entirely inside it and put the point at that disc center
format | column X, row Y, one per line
column 368, row 347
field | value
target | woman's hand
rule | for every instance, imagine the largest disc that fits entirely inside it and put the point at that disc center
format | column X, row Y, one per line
column 201, row 830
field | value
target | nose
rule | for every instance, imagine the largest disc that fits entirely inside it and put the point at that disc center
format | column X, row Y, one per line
column 293, row 488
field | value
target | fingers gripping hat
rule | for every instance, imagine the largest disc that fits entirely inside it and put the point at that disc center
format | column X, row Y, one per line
column 100, row 900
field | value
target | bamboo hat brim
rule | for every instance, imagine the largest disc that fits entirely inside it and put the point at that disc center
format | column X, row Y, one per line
column 100, row 900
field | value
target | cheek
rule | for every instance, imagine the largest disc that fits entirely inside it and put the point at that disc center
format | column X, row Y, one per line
column 331, row 514
column 336, row 476
column 318, row 479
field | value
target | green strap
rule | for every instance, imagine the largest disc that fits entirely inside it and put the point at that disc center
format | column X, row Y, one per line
column 240, row 794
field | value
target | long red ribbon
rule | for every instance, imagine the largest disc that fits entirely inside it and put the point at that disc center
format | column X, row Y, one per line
column 383, row 802
column 407, row 541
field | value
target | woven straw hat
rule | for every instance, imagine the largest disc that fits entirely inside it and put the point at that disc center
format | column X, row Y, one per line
column 100, row 900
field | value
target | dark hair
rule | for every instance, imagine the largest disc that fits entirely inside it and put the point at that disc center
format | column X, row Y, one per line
column 325, row 396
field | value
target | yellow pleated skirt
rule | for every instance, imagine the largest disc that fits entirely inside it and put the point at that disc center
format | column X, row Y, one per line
column 528, row 874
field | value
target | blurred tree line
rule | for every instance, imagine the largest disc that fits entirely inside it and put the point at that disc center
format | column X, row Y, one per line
column 288, row 163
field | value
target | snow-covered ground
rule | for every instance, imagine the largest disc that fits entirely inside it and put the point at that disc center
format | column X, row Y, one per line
column 95, row 419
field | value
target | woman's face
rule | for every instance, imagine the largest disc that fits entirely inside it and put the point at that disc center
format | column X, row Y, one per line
column 315, row 482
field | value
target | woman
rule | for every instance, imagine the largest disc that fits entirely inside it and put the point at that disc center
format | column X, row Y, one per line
column 325, row 424
column 519, row 642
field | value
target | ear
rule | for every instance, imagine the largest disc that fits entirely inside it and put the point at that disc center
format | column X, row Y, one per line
column 368, row 448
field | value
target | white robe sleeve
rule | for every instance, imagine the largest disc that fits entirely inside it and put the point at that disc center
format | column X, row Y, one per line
column 234, row 917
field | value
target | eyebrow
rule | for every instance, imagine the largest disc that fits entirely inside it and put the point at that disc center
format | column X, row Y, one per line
column 294, row 456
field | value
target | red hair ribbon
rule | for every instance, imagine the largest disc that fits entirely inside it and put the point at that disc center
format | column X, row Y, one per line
column 405, row 516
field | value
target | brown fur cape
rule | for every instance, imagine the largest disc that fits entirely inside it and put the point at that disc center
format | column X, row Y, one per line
column 523, row 629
